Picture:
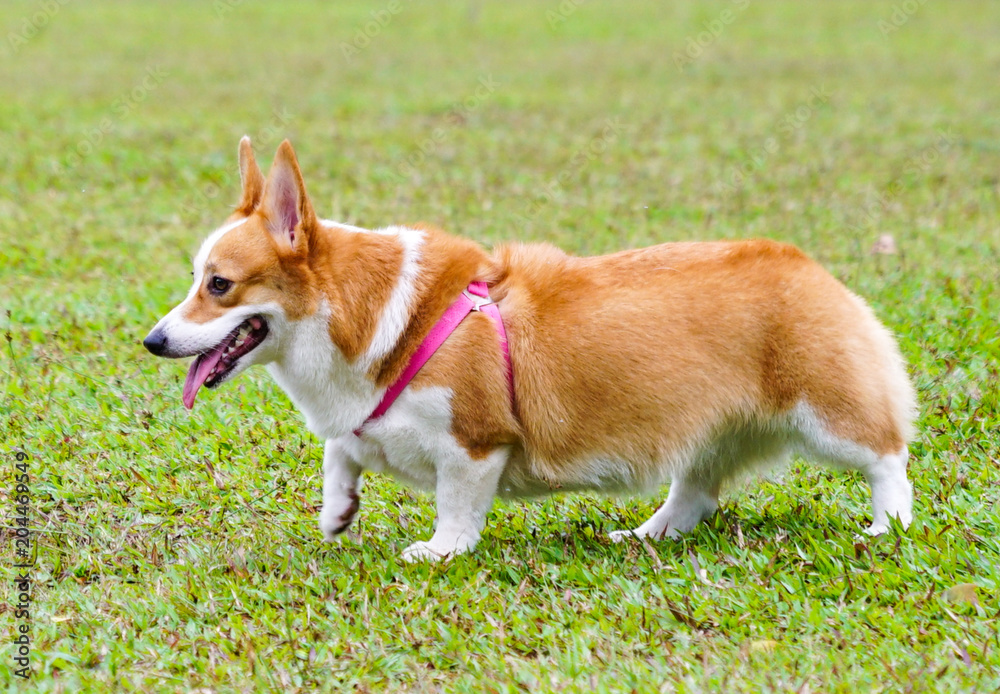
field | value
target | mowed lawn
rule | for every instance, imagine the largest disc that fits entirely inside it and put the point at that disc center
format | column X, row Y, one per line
column 178, row 551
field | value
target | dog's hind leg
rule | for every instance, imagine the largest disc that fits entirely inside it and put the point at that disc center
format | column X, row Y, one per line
column 892, row 496
column 691, row 499
column 694, row 490
column 465, row 490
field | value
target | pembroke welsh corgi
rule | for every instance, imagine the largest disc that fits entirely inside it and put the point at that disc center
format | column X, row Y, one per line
column 688, row 362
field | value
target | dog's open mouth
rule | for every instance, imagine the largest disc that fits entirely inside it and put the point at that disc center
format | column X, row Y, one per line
column 209, row 369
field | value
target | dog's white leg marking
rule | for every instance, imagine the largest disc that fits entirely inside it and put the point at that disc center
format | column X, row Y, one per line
column 690, row 501
column 465, row 491
column 341, row 484
column 892, row 496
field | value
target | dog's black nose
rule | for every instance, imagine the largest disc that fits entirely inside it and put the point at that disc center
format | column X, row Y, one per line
column 156, row 342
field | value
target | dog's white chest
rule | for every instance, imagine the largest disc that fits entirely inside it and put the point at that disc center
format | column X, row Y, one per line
column 330, row 393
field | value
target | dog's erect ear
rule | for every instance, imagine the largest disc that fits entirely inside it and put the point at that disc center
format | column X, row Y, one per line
column 285, row 204
column 251, row 177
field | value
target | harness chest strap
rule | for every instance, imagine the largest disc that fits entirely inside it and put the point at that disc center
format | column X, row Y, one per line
column 475, row 298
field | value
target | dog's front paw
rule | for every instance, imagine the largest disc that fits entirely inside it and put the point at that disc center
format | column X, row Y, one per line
column 336, row 516
column 424, row 551
column 437, row 549
column 621, row 535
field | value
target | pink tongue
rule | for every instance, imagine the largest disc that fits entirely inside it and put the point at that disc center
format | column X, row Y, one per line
column 198, row 372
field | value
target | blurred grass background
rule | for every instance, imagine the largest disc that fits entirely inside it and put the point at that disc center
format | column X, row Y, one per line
column 179, row 551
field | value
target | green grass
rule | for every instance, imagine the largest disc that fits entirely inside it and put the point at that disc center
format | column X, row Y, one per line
column 179, row 551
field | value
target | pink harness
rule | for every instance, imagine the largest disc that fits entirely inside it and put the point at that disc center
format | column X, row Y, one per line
column 475, row 298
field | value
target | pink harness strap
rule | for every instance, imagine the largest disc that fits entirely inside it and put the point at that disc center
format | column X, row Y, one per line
column 475, row 298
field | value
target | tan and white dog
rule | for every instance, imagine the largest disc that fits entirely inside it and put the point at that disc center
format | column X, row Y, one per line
column 688, row 362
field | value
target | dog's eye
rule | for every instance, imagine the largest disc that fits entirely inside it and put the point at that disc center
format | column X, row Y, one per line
column 219, row 285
